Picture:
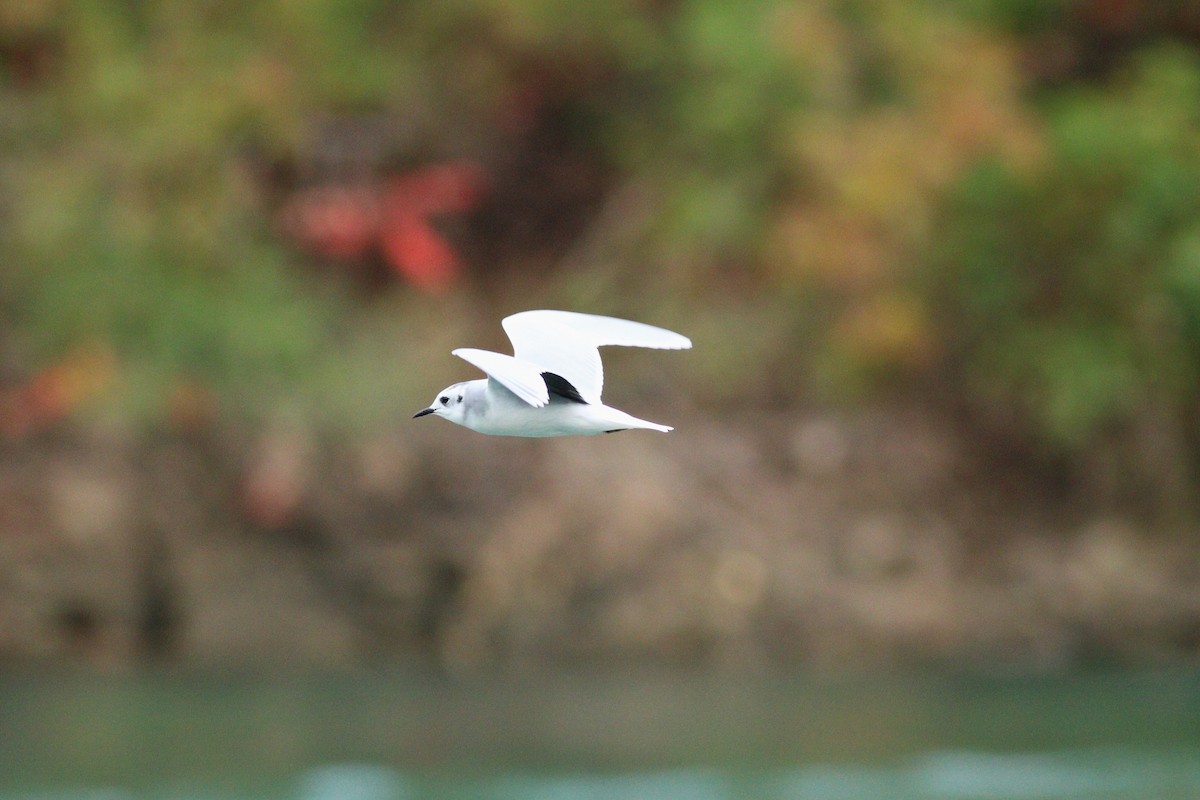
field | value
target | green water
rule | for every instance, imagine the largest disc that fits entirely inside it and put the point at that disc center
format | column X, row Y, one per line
column 395, row 737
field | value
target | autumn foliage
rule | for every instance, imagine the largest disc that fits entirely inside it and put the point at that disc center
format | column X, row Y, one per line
column 989, row 205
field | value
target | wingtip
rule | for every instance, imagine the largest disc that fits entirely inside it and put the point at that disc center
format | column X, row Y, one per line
column 677, row 341
column 682, row 343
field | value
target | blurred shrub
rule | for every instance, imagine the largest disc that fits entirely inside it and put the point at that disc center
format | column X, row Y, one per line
column 137, row 140
column 837, row 196
column 1068, row 293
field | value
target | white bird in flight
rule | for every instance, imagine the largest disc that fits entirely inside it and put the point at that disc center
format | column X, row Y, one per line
column 551, row 384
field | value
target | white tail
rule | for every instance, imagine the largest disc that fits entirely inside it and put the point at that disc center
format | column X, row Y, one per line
column 622, row 421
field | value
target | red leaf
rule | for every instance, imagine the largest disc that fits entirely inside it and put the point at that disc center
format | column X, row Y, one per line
column 345, row 223
column 335, row 222
column 419, row 253
column 440, row 188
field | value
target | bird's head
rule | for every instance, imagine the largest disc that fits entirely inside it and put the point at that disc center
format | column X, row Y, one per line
column 448, row 404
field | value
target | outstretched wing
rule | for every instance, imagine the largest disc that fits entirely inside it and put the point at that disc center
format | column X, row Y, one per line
column 519, row 377
column 565, row 343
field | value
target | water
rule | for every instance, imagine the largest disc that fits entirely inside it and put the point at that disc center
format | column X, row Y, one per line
column 410, row 737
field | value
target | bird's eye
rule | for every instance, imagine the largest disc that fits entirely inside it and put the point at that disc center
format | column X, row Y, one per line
column 443, row 400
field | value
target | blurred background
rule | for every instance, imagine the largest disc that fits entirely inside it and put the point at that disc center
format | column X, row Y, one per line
column 935, row 458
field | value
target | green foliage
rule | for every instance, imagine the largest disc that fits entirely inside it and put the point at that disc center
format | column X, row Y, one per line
column 1070, row 290
column 845, row 193
column 135, row 223
column 1022, row 16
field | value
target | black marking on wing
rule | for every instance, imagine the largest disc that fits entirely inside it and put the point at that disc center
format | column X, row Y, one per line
column 560, row 386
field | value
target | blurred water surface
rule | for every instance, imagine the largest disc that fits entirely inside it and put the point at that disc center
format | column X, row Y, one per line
column 394, row 737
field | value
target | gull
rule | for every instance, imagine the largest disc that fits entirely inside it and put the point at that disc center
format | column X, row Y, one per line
column 551, row 384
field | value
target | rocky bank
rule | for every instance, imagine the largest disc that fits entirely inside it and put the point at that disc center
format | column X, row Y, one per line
column 821, row 540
